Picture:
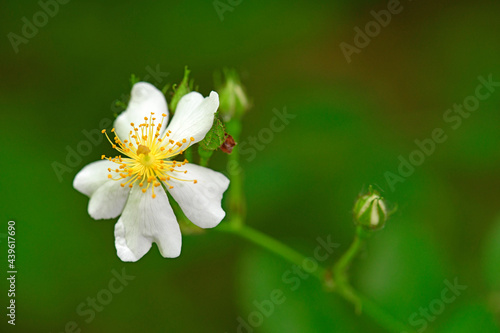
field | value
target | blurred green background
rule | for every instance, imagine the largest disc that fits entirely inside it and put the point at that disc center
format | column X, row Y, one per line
column 352, row 122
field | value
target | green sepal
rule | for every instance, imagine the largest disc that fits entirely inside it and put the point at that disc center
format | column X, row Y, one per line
column 133, row 79
column 180, row 90
column 213, row 140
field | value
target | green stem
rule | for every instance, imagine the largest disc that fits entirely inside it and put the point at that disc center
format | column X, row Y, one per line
column 340, row 283
column 270, row 244
column 236, row 197
column 235, row 193
column 344, row 262
column 340, row 271
column 342, row 286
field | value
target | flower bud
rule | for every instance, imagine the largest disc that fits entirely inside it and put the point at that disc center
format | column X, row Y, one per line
column 370, row 210
column 232, row 97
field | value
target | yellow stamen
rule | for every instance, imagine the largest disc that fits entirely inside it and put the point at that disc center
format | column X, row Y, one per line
column 147, row 156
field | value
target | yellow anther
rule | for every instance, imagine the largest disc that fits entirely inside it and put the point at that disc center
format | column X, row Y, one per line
column 195, row 181
column 163, row 115
column 153, row 196
column 143, row 150
column 146, row 159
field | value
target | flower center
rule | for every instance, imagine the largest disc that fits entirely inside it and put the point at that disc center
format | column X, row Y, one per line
column 148, row 156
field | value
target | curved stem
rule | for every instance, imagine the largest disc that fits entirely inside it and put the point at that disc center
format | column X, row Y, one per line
column 340, row 271
column 342, row 287
column 270, row 244
column 344, row 262
column 340, row 283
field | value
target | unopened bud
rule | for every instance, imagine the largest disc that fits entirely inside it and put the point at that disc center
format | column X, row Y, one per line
column 370, row 210
column 233, row 99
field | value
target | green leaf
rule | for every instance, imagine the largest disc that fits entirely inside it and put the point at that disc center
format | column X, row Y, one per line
column 213, row 140
column 180, row 90
column 215, row 136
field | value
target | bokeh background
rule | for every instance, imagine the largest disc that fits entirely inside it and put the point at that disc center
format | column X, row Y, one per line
column 352, row 122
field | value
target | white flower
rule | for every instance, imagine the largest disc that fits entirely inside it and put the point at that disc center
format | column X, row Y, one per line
column 129, row 184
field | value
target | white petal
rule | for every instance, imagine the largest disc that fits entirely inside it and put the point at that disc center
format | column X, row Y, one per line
column 146, row 220
column 108, row 201
column 92, row 176
column 144, row 99
column 193, row 117
column 201, row 202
